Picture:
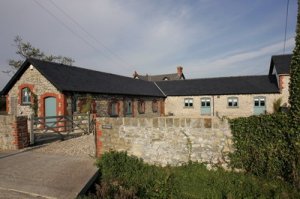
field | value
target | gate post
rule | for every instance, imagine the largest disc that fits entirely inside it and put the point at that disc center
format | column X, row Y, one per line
column 89, row 122
column 31, row 133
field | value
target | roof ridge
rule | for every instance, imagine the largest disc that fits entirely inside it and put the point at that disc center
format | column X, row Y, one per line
column 80, row 68
column 223, row 77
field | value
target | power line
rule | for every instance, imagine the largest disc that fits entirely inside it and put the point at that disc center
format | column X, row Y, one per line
column 84, row 30
column 286, row 20
column 69, row 28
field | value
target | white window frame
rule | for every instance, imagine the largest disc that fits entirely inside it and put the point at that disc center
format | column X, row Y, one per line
column 205, row 100
column 234, row 102
column 188, row 102
column 26, row 96
column 260, row 99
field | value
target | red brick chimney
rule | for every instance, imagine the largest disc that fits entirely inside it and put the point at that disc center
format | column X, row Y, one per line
column 179, row 70
column 135, row 74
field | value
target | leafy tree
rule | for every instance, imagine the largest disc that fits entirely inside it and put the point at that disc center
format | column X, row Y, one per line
column 26, row 50
column 295, row 104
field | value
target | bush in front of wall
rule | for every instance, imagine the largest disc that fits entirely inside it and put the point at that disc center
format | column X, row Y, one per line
column 123, row 176
column 262, row 145
column 130, row 177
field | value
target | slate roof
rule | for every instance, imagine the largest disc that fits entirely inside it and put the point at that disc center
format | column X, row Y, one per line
column 281, row 63
column 155, row 78
column 221, row 86
column 74, row 79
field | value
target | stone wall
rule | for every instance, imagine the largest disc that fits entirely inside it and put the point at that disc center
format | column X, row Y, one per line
column 13, row 132
column 166, row 140
column 219, row 107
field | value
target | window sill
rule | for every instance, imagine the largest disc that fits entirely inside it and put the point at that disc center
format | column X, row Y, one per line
column 188, row 107
column 25, row 104
column 233, row 107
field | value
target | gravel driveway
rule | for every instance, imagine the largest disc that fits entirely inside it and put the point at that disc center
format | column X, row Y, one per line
column 83, row 146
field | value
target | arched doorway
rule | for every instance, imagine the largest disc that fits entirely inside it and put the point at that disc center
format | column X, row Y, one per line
column 50, row 110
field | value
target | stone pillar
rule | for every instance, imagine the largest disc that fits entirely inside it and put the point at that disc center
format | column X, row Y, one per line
column 20, row 132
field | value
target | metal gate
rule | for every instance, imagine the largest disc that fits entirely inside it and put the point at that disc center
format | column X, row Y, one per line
column 45, row 129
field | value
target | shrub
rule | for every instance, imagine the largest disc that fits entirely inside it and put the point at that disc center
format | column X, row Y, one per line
column 262, row 145
column 277, row 105
column 125, row 176
column 128, row 176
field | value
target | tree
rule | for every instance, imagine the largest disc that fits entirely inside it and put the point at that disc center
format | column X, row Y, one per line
column 294, row 100
column 26, row 50
column 295, row 75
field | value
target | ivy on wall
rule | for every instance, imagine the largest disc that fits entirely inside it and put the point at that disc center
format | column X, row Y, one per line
column 262, row 145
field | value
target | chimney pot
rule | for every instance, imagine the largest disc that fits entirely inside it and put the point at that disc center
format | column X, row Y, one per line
column 179, row 70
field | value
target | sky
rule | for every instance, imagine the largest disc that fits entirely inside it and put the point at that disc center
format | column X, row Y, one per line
column 208, row 38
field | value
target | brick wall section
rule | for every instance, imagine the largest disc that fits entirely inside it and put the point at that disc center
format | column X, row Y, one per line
column 14, row 132
column 102, row 103
column 98, row 139
column 166, row 140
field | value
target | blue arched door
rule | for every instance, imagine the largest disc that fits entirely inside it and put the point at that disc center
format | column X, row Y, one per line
column 50, row 110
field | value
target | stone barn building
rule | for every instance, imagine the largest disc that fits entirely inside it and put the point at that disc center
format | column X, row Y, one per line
column 49, row 89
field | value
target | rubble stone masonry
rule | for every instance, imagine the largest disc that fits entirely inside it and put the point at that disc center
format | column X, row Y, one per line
column 166, row 140
column 13, row 132
column 38, row 84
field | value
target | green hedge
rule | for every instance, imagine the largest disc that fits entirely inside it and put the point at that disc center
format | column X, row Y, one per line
column 262, row 145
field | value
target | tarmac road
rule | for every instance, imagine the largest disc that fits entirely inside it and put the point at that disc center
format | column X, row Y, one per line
column 30, row 174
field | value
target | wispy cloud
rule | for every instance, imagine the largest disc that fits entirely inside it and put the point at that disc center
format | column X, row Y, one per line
column 239, row 60
column 209, row 38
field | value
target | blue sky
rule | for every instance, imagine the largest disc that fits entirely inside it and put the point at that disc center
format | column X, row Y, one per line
column 209, row 38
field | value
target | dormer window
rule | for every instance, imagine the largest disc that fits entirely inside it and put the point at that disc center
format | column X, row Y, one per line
column 165, row 79
column 26, row 96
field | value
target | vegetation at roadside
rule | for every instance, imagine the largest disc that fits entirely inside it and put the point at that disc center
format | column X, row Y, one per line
column 262, row 146
column 123, row 176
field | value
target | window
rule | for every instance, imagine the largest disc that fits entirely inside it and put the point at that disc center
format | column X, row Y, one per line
column 154, row 106
column 26, row 96
column 128, row 107
column 232, row 102
column 259, row 102
column 141, row 106
column 114, row 109
column 205, row 102
column 188, row 102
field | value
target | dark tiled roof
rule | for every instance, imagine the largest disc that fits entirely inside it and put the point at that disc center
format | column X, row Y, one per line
column 75, row 79
column 155, row 78
column 281, row 63
column 221, row 86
